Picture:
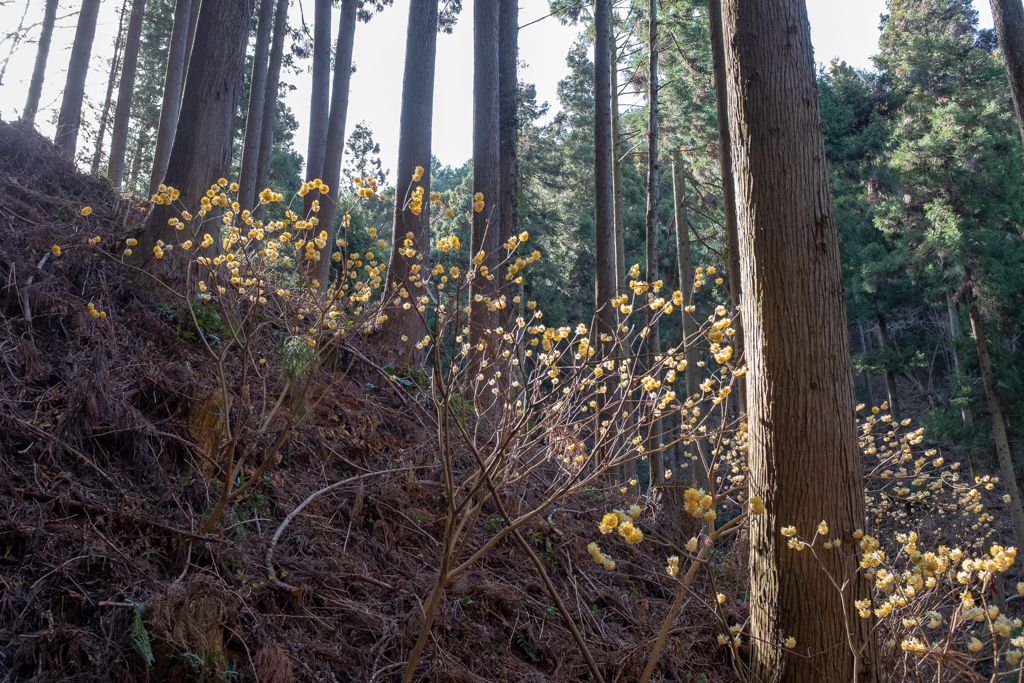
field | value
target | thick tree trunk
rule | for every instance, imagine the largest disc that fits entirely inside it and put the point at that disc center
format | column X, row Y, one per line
column 653, row 342
column 728, row 184
column 35, row 87
column 173, row 80
column 508, row 131
column 201, row 153
column 484, row 236
column 254, row 113
column 270, row 100
column 190, row 39
column 804, row 460
column 336, row 131
column 70, row 118
column 119, row 137
column 620, row 237
column 1009, row 477
column 890, row 375
column 320, row 101
column 1009, row 22
column 115, row 65
column 404, row 327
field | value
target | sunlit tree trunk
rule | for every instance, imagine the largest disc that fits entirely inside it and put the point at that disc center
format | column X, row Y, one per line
column 508, row 130
column 320, row 100
column 803, row 455
column 270, row 99
column 70, row 118
column 404, row 327
column 1009, row 477
column 173, row 81
column 254, row 112
column 653, row 341
column 115, row 65
column 1008, row 16
column 130, row 62
column 35, row 87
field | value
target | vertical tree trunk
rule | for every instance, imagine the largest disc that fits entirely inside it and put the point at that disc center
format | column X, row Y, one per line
column 1009, row 477
column 173, row 79
column 270, row 99
column 320, row 101
column 890, row 375
column 804, row 460
column 728, row 184
column 508, row 128
column 484, row 236
column 867, row 373
column 119, row 137
column 954, row 336
column 254, row 112
column 1009, row 22
column 140, row 145
column 336, row 131
column 405, row 328
column 115, row 65
column 653, row 253
column 620, row 238
column 70, row 118
column 201, row 153
column 190, row 37
column 35, row 87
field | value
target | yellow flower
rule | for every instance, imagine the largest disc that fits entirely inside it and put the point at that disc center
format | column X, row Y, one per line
column 56, row 250
column 417, row 174
column 756, row 505
column 975, row 645
column 790, row 643
column 86, row 210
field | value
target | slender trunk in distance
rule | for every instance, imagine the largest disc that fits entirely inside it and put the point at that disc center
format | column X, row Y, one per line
column 890, row 375
column 270, row 101
column 508, row 132
column 620, row 238
column 70, row 118
column 173, row 80
column 115, row 65
column 119, row 136
column 867, row 373
column 320, row 100
column 254, row 112
column 653, row 343
column 35, row 87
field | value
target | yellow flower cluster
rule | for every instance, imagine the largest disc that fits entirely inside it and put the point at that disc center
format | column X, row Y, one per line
column 595, row 552
column 699, row 504
column 673, row 566
column 164, row 195
column 416, row 201
column 367, row 187
column 478, row 202
column 96, row 313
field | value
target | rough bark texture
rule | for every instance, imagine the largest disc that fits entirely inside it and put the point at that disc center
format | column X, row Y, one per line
column 70, row 117
column 336, row 131
column 484, row 236
column 320, row 101
column 35, row 87
column 254, row 113
column 413, row 150
column 653, row 342
column 508, row 126
column 115, row 65
column 173, row 80
column 270, row 99
column 122, row 113
column 728, row 184
column 1009, row 477
column 804, row 460
column 201, row 153
column 604, row 204
column 1009, row 21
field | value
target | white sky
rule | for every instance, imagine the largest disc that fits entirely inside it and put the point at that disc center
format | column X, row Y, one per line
column 839, row 28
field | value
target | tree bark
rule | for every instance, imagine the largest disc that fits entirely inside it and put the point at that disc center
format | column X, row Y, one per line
column 1009, row 477
column 201, row 153
column 653, row 342
column 620, row 238
column 890, row 375
column 404, row 327
column 484, row 236
column 70, row 118
column 867, row 374
column 320, row 101
column 115, row 65
column 270, row 100
column 803, row 455
column 173, row 80
column 35, row 87
column 254, row 112
column 728, row 185
column 1008, row 16
column 336, row 131
column 122, row 113
column 508, row 130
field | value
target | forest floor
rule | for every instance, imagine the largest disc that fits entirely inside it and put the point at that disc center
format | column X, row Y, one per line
column 103, row 576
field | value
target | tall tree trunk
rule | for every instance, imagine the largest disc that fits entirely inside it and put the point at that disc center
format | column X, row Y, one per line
column 728, row 184
column 336, row 131
column 320, row 101
column 173, row 80
column 1009, row 477
column 190, row 37
column 508, row 130
column 404, row 327
column 1009, row 22
column 115, row 65
column 254, row 112
column 803, row 455
column 201, row 153
column 653, row 342
column 484, row 236
column 620, row 237
column 270, row 100
column 867, row 373
column 136, row 168
column 119, row 137
column 954, row 337
column 890, row 375
column 35, row 87
column 70, row 118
